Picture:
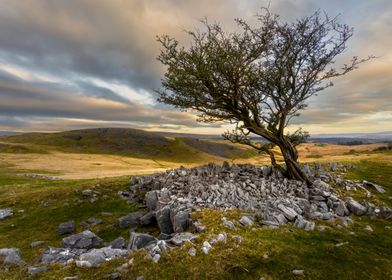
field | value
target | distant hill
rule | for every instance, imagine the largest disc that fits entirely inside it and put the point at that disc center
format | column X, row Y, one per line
column 10, row 132
column 374, row 137
column 129, row 142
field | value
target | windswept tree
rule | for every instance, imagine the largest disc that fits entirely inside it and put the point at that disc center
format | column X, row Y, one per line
column 257, row 78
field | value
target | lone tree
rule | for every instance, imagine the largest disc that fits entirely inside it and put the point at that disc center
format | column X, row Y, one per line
column 257, row 78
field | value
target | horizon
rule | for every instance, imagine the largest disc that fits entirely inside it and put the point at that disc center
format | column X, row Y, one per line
column 68, row 66
column 317, row 135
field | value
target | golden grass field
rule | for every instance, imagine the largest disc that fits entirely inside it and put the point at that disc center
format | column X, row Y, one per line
column 86, row 166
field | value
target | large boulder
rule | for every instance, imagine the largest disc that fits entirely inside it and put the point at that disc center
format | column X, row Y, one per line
column 373, row 186
column 163, row 220
column 118, row 243
column 140, row 240
column 12, row 256
column 180, row 221
column 355, row 207
column 60, row 255
column 4, row 213
column 131, row 220
column 95, row 257
column 288, row 212
column 341, row 210
column 147, row 219
column 83, row 240
column 152, row 200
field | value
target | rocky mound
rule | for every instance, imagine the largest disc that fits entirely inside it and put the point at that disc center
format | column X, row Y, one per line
column 171, row 196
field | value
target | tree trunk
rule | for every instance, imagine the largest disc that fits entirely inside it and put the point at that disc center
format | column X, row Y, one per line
column 293, row 169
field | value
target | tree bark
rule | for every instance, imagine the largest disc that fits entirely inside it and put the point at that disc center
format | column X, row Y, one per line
column 293, row 169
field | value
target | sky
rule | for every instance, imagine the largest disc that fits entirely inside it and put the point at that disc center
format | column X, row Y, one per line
column 72, row 64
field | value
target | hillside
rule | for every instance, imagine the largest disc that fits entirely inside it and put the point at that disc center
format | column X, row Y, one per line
column 125, row 142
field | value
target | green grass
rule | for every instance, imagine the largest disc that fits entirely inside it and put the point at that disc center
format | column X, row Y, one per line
column 367, row 255
column 41, row 205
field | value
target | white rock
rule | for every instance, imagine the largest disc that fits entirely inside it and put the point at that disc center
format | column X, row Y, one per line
column 298, row 272
column 192, row 251
column 156, row 258
column 206, row 247
column 4, row 213
column 246, row 221
column 368, row 228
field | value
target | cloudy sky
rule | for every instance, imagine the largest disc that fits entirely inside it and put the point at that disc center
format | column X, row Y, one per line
column 69, row 64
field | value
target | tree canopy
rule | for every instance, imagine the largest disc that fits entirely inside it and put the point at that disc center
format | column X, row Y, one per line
column 257, row 78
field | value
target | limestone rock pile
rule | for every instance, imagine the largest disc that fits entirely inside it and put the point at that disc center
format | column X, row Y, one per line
column 170, row 197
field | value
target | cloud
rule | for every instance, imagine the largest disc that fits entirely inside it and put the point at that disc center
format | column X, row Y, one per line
column 94, row 60
column 31, row 99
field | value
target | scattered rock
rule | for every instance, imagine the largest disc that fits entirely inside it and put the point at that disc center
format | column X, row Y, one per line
column 321, row 228
column 87, row 192
column 368, row 228
column 156, row 258
column 106, row 214
column 118, row 243
column 298, row 272
column 60, row 255
column 341, row 244
column 373, row 186
column 164, row 236
column 131, row 220
column 237, row 238
column 4, row 213
column 198, row 227
column 90, row 222
column 140, row 240
column 36, row 243
column 228, row 224
column 246, row 221
column 300, row 222
column 355, row 207
column 12, row 256
column 341, row 210
column 71, row 278
column 34, row 270
column 192, row 251
column 95, row 257
column 222, row 237
column 206, row 247
column 345, row 221
column 114, row 276
column 179, row 238
column 67, row 227
column 83, row 240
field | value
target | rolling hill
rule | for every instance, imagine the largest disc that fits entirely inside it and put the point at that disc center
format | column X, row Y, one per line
column 126, row 142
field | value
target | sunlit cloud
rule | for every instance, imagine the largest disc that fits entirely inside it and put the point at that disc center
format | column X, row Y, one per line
column 91, row 63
